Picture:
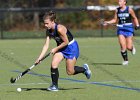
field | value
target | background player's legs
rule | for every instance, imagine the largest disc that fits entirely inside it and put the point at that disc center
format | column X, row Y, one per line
column 130, row 45
column 122, row 41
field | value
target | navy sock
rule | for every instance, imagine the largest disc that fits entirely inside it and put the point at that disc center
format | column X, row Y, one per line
column 78, row 70
column 124, row 55
column 54, row 76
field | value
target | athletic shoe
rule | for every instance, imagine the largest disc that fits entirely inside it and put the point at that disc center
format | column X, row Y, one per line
column 52, row 88
column 88, row 71
column 133, row 50
column 125, row 63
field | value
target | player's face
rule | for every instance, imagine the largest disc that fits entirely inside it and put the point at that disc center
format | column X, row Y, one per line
column 121, row 3
column 48, row 23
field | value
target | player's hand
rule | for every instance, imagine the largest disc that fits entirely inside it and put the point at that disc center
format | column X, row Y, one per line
column 38, row 61
column 137, row 27
column 54, row 50
column 105, row 23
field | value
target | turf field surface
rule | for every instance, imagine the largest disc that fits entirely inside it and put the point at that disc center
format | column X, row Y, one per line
column 110, row 80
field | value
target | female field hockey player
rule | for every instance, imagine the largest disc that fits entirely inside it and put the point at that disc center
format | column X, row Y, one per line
column 126, row 19
column 67, row 48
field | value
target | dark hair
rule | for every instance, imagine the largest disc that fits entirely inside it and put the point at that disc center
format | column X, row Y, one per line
column 50, row 15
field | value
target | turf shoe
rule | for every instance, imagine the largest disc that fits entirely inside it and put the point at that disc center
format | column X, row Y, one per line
column 125, row 63
column 133, row 50
column 52, row 88
column 88, row 71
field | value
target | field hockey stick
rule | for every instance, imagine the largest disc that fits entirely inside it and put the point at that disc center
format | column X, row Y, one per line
column 12, row 80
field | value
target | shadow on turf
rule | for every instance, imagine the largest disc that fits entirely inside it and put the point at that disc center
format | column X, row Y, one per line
column 107, row 63
column 45, row 89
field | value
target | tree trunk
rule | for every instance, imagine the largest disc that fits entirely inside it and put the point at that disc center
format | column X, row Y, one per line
column 36, row 21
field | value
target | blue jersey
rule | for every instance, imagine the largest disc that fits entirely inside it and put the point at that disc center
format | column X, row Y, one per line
column 125, row 25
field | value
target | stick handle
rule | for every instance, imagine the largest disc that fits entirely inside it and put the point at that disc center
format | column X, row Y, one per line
column 43, row 58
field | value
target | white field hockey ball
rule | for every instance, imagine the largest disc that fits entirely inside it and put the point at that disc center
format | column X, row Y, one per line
column 19, row 89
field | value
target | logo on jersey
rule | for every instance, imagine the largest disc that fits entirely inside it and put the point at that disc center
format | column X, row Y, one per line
column 123, row 15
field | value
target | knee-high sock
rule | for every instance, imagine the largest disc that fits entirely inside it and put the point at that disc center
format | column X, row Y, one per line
column 78, row 69
column 54, row 76
column 124, row 55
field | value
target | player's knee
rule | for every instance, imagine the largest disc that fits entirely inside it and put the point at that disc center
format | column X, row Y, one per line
column 129, row 47
column 53, row 65
column 70, row 72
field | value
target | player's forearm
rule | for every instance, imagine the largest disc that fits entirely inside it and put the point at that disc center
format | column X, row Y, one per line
column 62, row 45
column 44, row 50
column 111, row 21
column 136, row 22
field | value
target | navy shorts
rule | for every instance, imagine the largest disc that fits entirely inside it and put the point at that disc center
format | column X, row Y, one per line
column 71, row 50
column 126, row 30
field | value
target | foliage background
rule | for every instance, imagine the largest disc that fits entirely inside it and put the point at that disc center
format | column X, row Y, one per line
column 33, row 21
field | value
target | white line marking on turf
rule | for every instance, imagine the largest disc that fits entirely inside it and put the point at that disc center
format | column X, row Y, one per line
column 22, row 84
